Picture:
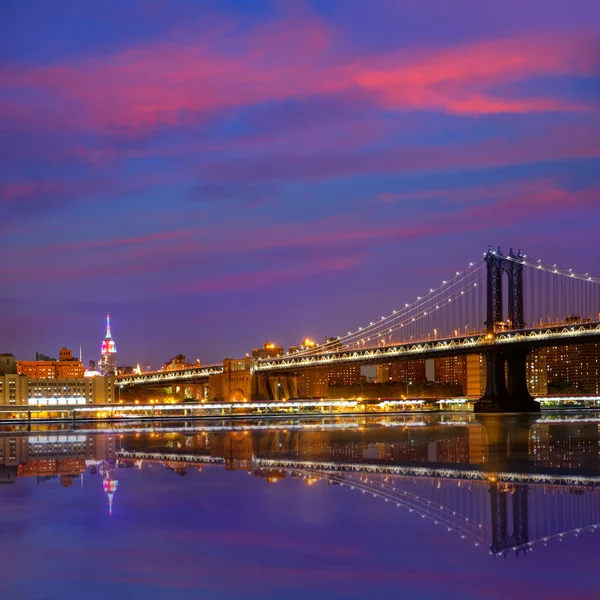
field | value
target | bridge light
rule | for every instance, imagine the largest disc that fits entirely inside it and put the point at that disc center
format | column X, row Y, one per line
column 443, row 283
column 470, row 264
column 371, row 322
column 418, row 297
column 394, row 312
column 474, row 285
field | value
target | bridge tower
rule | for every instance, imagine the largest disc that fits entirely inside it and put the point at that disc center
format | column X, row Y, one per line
column 506, row 389
column 497, row 265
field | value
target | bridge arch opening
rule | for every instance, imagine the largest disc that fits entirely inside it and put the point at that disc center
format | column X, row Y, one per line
column 237, row 396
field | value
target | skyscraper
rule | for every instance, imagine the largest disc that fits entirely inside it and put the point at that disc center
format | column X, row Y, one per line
column 108, row 359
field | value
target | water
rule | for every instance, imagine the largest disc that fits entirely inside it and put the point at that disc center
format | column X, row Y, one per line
column 442, row 506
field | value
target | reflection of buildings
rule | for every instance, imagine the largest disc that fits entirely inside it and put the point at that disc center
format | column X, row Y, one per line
column 50, row 455
column 574, row 447
column 459, row 475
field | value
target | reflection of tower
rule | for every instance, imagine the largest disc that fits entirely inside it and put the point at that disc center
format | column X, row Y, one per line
column 506, row 501
column 108, row 359
column 109, row 483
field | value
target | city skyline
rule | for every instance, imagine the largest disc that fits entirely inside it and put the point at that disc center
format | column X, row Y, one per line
column 215, row 177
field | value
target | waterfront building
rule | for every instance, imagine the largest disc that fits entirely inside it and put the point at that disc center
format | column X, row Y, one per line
column 107, row 364
column 21, row 390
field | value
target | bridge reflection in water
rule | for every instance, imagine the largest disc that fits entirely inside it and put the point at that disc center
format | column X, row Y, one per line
column 503, row 483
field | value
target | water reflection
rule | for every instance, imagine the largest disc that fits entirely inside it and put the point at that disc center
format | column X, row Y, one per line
column 503, row 483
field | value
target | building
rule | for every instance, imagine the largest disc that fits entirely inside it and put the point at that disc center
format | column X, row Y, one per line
column 451, row 370
column 66, row 367
column 8, row 365
column 537, row 372
column 475, row 369
column 412, row 371
column 307, row 345
column 573, row 369
column 108, row 360
column 269, row 350
column 21, row 390
column 177, row 363
column 347, row 374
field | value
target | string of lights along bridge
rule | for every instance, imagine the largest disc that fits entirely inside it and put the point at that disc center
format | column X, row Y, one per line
column 461, row 305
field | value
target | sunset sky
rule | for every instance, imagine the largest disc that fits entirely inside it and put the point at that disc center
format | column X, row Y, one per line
column 216, row 174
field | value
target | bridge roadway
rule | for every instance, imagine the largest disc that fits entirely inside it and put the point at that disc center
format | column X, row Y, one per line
column 555, row 335
column 551, row 335
column 568, row 477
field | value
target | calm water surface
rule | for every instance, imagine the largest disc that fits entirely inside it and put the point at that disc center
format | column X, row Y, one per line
column 443, row 506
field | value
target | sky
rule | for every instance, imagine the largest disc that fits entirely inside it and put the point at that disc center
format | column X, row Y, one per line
column 218, row 174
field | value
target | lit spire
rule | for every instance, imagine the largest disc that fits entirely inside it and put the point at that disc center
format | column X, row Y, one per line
column 108, row 336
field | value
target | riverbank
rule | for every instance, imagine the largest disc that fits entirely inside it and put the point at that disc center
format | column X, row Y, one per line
column 242, row 410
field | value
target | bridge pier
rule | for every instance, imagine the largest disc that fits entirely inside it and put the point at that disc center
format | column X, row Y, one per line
column 506, row 392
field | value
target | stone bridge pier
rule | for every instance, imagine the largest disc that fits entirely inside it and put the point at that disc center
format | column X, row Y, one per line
column 506, row 383
column 240, row 383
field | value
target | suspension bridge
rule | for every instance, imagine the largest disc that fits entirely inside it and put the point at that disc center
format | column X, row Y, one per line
column 502, row 307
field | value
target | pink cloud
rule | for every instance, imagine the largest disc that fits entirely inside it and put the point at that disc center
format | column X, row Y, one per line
column 171, row 81
column 459, row 79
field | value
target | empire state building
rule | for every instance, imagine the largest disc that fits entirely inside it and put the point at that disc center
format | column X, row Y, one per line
column 108, row 359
